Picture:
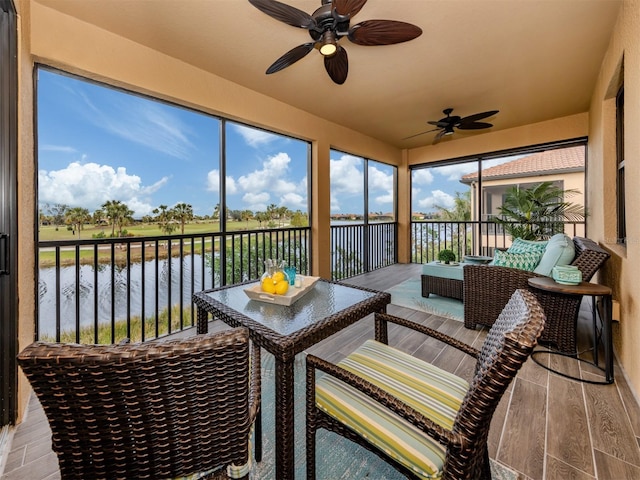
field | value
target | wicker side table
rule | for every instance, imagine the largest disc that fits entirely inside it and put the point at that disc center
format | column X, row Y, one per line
column 593, row 290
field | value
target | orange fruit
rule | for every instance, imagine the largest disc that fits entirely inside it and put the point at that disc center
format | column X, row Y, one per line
column 268, row 285
column 281, row 287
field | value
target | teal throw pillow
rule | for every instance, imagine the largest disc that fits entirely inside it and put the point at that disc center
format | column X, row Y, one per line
column 560, row 251
column 525, row 246
column 522, row 261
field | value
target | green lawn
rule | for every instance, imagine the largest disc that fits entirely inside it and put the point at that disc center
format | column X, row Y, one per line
column 50, row 233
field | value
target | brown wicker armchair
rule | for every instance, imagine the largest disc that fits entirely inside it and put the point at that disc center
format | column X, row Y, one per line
column 153, row 410
column 422, row 420
column 488, row 288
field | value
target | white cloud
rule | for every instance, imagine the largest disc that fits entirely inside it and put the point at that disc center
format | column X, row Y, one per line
column 422, row 176
column 335, row 204
column 256, row 201
column 439, row 198
column 213, row 183
column 346, row 177
column 455, row 172
column 140, row 121
column 294, row 201
column 265, row 186
column 255, row 137
column 380, row 180
column 385, row 199
column 90, row 185
column 57, row 148
column 272, row 177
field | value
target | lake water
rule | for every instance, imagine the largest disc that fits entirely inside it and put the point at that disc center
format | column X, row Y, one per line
column 92, row 294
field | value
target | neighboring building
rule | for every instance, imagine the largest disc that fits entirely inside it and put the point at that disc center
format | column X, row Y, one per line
column 564, row 167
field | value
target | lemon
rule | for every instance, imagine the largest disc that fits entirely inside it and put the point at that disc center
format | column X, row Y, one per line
column 268, row 285
column 277, row 277
column 281, row 287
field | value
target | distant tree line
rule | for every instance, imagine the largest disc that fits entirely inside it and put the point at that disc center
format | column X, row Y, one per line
column 118, row 215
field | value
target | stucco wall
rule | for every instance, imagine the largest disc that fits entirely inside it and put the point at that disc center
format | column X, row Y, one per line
column 26, row 198
column 623, row 270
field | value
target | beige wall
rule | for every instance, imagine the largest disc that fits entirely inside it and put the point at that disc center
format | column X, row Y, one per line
column 623, row 270
column 26, row 198
column 60, row 41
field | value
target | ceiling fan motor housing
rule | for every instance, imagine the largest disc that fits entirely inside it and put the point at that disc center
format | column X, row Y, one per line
column 325, row 20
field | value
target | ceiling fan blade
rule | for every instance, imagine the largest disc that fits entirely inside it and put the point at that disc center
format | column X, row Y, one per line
column 337, row 66
column 348, row 7
column 439, row 135
column 383, row 32
column 474, row 126
column 478, row 116
column 439, row 123
column 285, row 13
column 421, row 133
column 291, row 57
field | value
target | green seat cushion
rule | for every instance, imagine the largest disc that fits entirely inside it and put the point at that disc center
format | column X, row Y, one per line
column 435, row 393
column 525, row 246
column 522, row 261
column 560, row 251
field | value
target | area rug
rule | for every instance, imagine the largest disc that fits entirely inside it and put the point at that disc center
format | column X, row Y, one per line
column 336, row 458
column 408, row 294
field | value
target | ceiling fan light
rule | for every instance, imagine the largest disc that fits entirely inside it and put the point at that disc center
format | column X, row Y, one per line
column 329, row 44
column 448, row 131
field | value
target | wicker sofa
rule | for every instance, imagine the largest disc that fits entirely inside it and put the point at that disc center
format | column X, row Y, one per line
column 487, row 289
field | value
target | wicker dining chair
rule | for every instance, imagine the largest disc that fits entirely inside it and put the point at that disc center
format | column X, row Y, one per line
column 487, row 288
column 165, row 409
column 424, row 421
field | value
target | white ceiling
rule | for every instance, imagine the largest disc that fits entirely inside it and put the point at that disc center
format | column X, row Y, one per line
column 533, row 60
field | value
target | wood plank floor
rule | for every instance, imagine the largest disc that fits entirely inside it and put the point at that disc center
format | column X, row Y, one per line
column 546, row 427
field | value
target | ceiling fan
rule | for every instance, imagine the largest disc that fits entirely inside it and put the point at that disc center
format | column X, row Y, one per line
column 327, row 25
column 446, row 125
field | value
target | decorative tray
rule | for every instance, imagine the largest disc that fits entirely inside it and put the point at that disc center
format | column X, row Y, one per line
column 450, row 264
column 293, row 294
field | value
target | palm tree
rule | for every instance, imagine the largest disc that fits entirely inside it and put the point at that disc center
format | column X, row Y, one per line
column 246, row 215
column 118, row 213
column 110, row 209
column 538, row 212
column 164, row 218
column 461, row 209
column 183, row 213
column 77, row 217
column 461, row 212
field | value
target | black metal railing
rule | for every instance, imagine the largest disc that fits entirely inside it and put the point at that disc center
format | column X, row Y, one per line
column 429, row 237
column 107, row 289
column 359, row 248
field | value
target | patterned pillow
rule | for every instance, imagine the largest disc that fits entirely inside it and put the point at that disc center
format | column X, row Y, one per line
column 522, row 261
column 525, row 246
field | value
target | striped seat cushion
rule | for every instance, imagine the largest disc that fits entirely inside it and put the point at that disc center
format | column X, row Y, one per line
column 430, row 390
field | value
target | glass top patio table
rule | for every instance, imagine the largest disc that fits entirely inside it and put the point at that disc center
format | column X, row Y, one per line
column 285, row 331
column 325, row 309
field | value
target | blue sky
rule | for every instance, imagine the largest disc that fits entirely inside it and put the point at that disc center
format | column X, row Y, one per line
column 97, row 144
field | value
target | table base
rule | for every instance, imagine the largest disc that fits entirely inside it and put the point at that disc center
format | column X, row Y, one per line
column 607, row 381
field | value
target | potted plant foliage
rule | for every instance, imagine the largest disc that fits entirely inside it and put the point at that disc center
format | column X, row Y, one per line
column 537, row 213
column 446, row 256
